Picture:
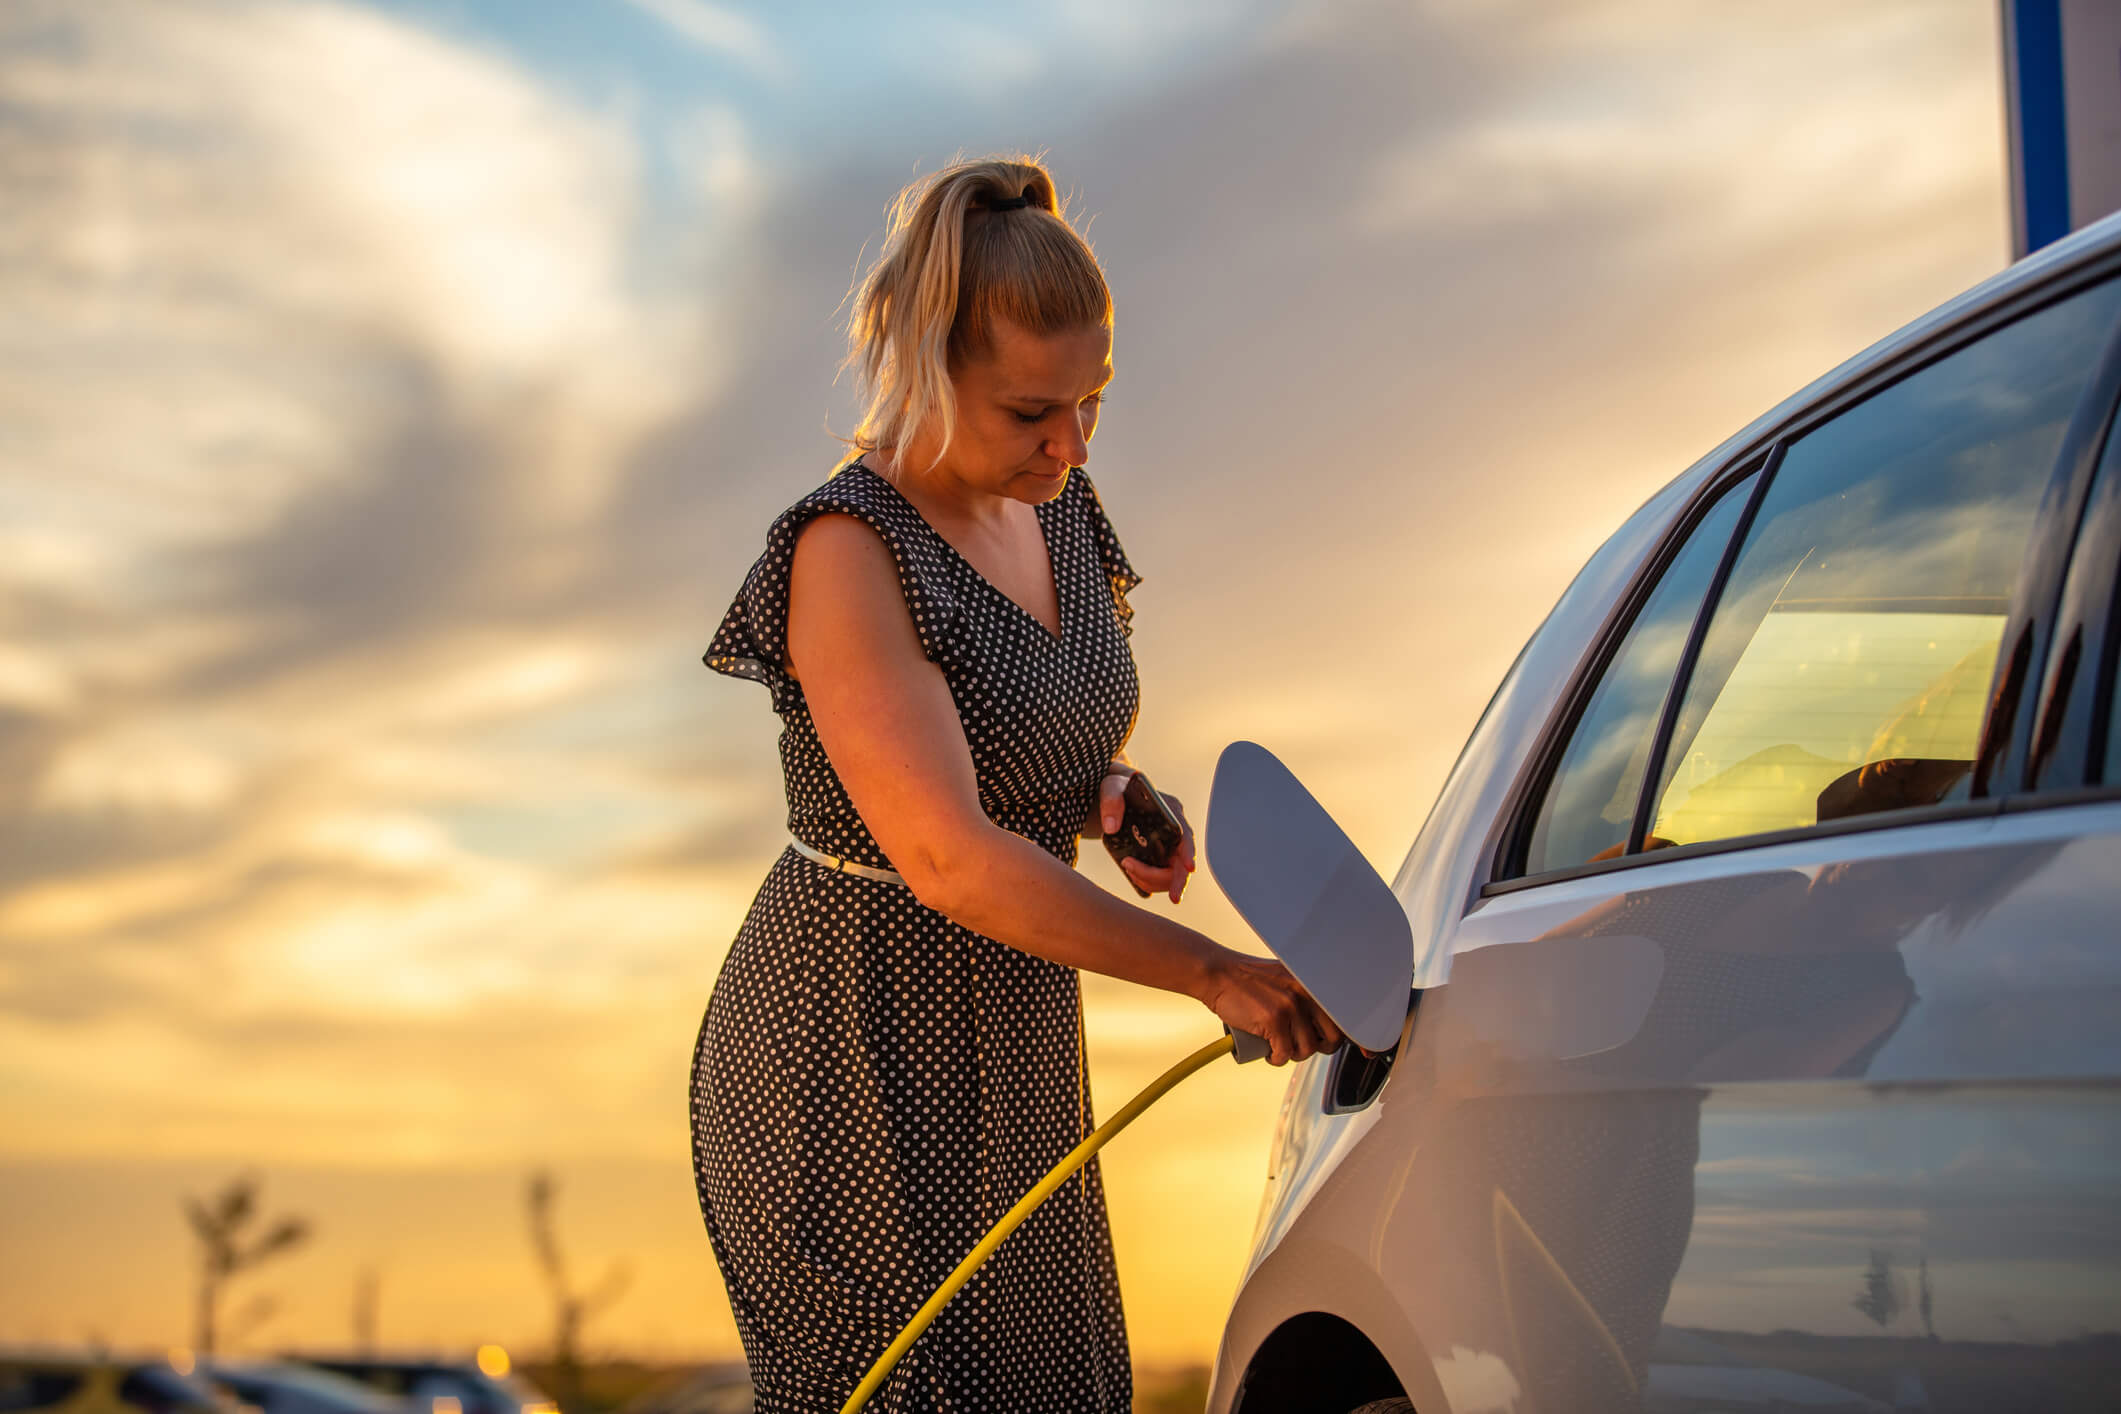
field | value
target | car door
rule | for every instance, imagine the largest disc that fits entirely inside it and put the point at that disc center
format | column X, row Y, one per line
column 1776, row 1065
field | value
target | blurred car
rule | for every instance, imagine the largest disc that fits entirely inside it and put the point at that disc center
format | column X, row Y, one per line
column 1766, row 1025
column 712, row 1389
column 440, row 1386
column 287, row 1387
column 61, row 1383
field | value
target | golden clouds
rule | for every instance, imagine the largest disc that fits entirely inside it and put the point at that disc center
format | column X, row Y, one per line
column 382, row 428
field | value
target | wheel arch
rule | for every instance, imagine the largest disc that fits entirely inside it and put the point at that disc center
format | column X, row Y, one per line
column 1315, row 1363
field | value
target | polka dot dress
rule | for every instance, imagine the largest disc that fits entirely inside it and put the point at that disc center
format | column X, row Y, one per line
column 875, row 1086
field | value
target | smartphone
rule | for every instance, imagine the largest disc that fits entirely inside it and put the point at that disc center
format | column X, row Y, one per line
column 1148, row 831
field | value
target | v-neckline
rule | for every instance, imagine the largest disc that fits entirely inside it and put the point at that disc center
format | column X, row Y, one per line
column 1038, row 512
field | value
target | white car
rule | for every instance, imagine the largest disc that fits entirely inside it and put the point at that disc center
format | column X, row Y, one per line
column 1765, row 1031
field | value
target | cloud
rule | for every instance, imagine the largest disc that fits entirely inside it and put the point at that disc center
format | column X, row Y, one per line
column 382, row 434
column 330, row 342
column 715, row 28
column 1706, row 157
column 331, row 355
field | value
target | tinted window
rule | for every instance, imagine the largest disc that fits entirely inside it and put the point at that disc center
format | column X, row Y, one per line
column 1846, row 668
column 1590, row 802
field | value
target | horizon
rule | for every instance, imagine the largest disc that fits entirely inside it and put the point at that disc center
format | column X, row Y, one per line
column 396, row 393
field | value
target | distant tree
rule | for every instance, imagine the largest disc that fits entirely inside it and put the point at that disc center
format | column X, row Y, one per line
column 1881, row 1290
column 367, row 1299
column 571, row 1310
column 222, row 1224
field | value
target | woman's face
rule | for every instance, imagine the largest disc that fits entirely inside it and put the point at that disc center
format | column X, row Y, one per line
column 1025, row 412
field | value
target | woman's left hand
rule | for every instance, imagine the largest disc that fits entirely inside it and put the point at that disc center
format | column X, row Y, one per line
column 1111, row 805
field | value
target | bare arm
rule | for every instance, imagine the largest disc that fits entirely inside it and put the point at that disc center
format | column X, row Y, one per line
column 888, row 724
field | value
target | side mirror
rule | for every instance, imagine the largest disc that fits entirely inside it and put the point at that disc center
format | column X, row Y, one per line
column 1303, row 886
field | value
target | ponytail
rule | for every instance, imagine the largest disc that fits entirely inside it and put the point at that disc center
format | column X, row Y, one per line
column 971, row 244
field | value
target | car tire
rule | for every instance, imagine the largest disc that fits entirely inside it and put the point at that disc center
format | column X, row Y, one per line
column 1394, row 1405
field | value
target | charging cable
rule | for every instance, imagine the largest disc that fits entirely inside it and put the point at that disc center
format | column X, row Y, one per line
column 1247, row 1047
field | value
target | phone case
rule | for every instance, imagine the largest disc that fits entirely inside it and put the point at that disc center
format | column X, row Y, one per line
column 1148, row 831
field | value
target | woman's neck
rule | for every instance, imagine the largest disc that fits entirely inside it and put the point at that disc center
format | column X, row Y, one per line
column 943, row 501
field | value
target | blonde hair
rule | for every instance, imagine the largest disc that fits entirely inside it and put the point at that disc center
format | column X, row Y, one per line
column 952, row 264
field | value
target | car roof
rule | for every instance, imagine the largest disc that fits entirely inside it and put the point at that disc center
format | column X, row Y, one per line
column 1445, row 867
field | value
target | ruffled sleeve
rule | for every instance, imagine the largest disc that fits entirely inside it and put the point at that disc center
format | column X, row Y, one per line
column 1118, row 572
column 752, row 641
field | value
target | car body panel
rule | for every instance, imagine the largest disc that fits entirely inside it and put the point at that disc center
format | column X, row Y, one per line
column 1824, row 1121
column 1713, row 1124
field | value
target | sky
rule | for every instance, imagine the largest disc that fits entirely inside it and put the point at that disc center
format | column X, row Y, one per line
column 392, row 397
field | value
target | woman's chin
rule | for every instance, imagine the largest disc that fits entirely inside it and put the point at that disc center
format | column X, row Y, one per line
column 1051, row 482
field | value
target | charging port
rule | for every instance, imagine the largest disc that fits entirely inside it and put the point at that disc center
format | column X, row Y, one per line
column 1356, row 1078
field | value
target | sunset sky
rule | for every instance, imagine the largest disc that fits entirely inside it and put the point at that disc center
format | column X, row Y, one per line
column 392, row 397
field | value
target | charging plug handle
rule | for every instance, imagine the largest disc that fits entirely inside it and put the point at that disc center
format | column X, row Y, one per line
column 1249, row 1047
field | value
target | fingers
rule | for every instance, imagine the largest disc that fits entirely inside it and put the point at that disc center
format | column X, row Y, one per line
column 1277, row 1048
column 1169, row 879
column 1303, row 1036
column 1289, row 1036
column 1187, row 859
column 1265, row 999
column 1330, row 1036
column 1111, row 802
column 1311, row 1030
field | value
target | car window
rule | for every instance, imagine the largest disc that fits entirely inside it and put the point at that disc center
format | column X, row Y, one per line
column 1846, row 667
column 1589, row 805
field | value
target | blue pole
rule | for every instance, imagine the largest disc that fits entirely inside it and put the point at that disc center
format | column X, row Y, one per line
column 2032, row 56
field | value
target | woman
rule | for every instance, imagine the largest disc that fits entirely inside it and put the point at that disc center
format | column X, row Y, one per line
column 892, row 1054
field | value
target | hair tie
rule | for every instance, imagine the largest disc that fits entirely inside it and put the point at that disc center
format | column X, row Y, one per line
column 1009, row 203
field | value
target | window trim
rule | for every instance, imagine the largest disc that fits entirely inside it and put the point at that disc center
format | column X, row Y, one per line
column 2011, row 740
column 1763, row 453
column 1697, row 634
column 2061, row 798
column 2075, row 708
column 1848, row 825
column 1520, row 806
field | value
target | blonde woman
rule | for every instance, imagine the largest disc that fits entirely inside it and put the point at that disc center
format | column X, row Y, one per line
column 892, row 1054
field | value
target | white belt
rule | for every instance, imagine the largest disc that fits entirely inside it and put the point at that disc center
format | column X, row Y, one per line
column 845, row 866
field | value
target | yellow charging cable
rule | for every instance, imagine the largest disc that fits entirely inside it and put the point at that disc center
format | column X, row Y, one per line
column 1077, row 1157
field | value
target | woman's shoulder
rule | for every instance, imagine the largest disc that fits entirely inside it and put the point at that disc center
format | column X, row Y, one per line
column 852, row 485
column 856, row 491
column 752, row 641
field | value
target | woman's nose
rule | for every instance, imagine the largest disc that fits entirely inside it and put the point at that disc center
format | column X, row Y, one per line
column 1072, row 445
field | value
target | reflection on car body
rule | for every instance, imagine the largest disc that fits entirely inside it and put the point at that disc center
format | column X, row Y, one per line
column 1768, row 1011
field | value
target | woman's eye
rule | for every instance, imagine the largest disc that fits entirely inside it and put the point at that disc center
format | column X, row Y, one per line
column 1029, row 418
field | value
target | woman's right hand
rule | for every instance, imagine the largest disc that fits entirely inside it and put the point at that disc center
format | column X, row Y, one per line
column 1261, row 996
